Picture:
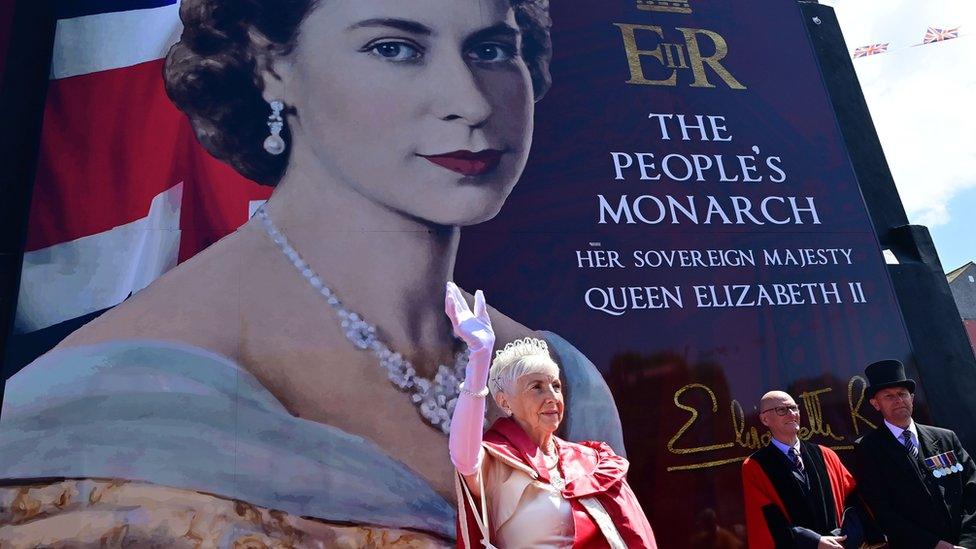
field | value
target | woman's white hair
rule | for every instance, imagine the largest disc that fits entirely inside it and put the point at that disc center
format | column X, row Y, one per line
column 518, row 358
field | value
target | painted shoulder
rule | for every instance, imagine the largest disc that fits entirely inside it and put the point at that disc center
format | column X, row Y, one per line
column 184, row 417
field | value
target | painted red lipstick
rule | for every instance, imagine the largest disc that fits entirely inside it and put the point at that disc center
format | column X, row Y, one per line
column 466, row 162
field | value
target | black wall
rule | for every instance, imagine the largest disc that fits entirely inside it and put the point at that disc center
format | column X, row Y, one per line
column 22, row 93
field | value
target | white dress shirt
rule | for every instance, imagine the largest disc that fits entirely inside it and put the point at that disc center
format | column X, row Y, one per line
column 783, row 447
column 897, row 431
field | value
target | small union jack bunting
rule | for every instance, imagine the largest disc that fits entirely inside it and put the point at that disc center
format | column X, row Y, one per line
column 873, row 49
column 938, row 35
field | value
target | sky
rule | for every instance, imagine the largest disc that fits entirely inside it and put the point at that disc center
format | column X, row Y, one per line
column 923, row 103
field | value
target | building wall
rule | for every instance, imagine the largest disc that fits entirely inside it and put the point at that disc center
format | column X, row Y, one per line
column 971, row 332
column 964, row 293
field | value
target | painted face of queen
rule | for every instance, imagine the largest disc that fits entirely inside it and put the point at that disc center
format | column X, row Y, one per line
column 421, row 106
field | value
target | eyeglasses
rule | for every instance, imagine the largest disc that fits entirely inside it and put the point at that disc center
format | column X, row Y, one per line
column 783, row 410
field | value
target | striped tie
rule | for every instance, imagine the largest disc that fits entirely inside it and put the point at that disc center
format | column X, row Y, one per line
column 909, row 443
column 797, row 462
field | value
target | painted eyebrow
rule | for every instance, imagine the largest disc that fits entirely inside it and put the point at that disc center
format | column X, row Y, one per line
column 498, row 30
column 404, row 25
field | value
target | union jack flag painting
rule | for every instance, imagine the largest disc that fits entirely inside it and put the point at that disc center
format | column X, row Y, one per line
column 121, row 179
column 938, row 35
column 873, row 49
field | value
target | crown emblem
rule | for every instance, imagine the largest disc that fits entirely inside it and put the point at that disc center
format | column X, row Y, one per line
column 676, row 6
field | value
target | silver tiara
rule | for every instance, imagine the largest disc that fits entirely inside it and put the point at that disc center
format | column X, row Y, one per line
column 522, row 347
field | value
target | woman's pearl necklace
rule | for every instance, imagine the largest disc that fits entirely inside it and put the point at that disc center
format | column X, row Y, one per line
column 434, row 398
column 551, row 459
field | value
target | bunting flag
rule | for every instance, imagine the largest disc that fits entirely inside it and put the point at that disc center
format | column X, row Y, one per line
column 123, row 190
column 938, row 35
column 873, row 49
column 932, row 34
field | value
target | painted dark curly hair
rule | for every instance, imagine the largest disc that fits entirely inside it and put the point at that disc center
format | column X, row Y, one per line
column 211, row 73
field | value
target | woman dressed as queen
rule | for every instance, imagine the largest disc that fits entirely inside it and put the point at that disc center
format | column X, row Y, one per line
column 519, row 485
column 293, row 384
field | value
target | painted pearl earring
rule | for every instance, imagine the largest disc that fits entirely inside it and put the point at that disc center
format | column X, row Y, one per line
column 274, row 144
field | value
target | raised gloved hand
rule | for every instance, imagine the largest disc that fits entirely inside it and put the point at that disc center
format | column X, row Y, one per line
column 474, row 328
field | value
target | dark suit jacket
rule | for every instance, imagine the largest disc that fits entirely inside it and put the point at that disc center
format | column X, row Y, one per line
column 915, row 509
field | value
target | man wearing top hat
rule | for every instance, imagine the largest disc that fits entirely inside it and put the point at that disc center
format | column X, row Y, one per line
column 918, row 480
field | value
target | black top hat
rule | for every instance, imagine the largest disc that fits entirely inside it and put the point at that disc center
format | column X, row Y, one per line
column 887, row 373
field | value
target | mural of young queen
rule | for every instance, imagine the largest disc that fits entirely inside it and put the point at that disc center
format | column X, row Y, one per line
column 245, row 397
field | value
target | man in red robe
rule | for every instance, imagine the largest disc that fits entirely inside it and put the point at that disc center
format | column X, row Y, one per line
column 794, row 491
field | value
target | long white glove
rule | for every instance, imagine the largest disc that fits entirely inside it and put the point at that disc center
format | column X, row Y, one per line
column 469, row 412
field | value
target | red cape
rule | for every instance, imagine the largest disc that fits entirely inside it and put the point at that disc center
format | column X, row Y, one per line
column 592, row 469
column 759, row 491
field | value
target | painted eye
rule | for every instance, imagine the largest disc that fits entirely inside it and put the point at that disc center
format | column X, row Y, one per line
column 492, row 52
column 395, row 51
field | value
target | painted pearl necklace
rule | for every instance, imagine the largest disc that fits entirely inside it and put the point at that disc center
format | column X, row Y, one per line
column 434, row 398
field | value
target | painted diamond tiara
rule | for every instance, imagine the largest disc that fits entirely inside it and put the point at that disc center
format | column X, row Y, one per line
column 675, row 6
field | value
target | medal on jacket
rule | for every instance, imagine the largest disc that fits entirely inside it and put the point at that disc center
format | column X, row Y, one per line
column 943, row 464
